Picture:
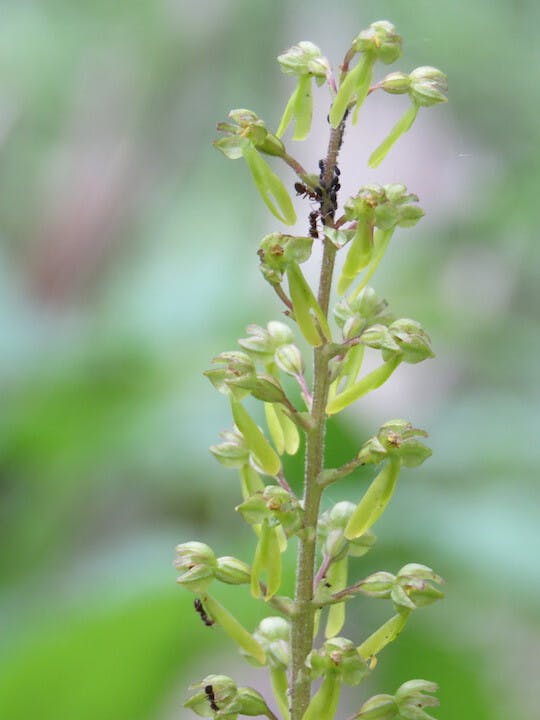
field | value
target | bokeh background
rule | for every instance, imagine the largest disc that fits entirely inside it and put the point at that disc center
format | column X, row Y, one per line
column 127, row 260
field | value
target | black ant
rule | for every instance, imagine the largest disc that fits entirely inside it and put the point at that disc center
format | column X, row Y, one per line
column 313, row 224
column 209, row 690
column 305, row 192
column 202, row 612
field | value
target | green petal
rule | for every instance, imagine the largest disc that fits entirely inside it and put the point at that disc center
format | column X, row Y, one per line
column 270, row 186
column 303, row 108
column 267, row 561
column 234, row 629
column 274, row 427
column 401, row 127
column 387, row 633
column 374, row 502
column 264, row 454
column 304, row 304
column 324, row 703
column 280, row 686
column 337, row 576
column 251, row 481
column 291, row 436
column 357, row 81
column 288, row 113
column 358, row 256
column 381, row 239
column 369, row 382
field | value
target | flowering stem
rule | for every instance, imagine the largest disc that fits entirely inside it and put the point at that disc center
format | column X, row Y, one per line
column 303, row 621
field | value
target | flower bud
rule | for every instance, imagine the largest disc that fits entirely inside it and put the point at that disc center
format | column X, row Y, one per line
column 378, row 585
column 273, row 636
column 305, row 62
column 378, row 707
column 399, row 438
column 289, row 359
column 236, row 374
column 412, row 339
column 253, row 510
column 355, row 316
column 280, row 333
column 284, row 507
column 380, row 40
column 216, row 694
column 266, row 388
column 428, row 86
column 233, row 452
column 304, row 59
column 415, row 586
column 396, row 83
column 197, row 563
column 193, row 553
column 232, row 571
column 378, row 337
column 258, row 344
column 411, row 700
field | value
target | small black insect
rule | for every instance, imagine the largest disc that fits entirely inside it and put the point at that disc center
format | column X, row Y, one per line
column 313, row 224
column 209, row 690
column 305, row 192
column 337, row 171
column 197, row 604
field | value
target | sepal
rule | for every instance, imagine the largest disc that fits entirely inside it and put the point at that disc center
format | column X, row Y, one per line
column 277, row 251
column 197, row 563
column 338, row 657
column 428, row 86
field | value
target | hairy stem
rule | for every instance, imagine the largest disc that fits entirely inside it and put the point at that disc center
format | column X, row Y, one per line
column 303, row 621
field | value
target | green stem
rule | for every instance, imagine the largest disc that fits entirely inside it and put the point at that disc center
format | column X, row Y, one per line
column 303, row 621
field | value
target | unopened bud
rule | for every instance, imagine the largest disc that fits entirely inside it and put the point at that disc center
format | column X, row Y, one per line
column 412, row 339
column 396, row 83
column 378, row 585
column 232, row 571
column 197, row 563
column 411, row 700
column 381, row 40
column 280, row 333
column 273, row 636
column 289, row 359
column 304, row 59
column 378, row 337
column 233, row 452
column 193, row 553
column 428, row 86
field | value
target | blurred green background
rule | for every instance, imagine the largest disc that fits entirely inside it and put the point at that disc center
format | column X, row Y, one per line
column 128, row 260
